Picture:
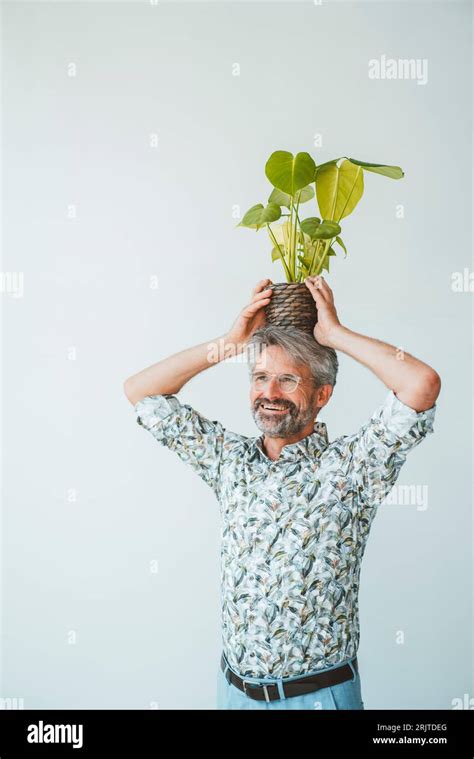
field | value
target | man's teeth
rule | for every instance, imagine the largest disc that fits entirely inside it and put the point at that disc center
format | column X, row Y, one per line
column 274, row 408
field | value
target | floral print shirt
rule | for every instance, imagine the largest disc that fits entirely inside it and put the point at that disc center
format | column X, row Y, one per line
column 293, row 530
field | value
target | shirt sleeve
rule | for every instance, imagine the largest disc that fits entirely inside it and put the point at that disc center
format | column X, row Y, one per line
column 380, row 448
column 196, row 440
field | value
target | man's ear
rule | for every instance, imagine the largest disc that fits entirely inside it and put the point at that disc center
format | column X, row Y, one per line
column 323, row 394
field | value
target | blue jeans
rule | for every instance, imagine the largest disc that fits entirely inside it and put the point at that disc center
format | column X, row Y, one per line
column 346, row 695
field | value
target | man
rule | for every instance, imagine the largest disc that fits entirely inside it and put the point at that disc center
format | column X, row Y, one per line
column 296, row 509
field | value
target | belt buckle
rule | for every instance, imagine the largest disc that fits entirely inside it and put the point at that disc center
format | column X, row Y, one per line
column 265, row 689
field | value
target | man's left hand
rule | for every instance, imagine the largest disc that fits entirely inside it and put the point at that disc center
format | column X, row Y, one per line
column 328, row 321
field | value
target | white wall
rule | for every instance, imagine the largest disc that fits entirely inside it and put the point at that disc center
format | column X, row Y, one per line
column 86, row 624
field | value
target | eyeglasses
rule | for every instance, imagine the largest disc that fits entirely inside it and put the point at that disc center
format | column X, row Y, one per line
column 286, row 382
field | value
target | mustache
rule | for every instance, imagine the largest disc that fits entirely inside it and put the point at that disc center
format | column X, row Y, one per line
column 263, row 401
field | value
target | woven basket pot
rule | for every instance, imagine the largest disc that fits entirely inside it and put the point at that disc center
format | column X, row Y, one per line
column 292, row 305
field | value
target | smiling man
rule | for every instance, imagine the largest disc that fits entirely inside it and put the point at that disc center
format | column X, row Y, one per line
column 296, row 510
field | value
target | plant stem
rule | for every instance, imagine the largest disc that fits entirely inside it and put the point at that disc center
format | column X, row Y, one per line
column 294, row 236
column 299, row 277
column 321, row 261
column 290, row 227
column 282, row 258
column 316, row 248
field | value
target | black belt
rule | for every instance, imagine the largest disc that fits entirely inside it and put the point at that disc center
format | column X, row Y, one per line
column 298, row 687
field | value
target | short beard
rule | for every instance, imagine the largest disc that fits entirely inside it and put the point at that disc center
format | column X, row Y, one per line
column 290, row 424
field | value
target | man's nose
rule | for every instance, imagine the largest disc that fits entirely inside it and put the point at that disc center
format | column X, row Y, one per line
column 273, row 386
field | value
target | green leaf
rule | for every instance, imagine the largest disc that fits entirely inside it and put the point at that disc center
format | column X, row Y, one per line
column 339, row 188
column 310, row 225
column 290, row 173
column 303, row 267
column 339, row 242
column 394, row 172
column 257, row 216
column 305, row 260
column 279, row 197
column 282, row 233
column 302, row 196
column 276, row 255
column 326, row 230
column 283, row 199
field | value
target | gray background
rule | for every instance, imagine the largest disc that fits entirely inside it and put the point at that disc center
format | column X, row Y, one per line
column 86, row 622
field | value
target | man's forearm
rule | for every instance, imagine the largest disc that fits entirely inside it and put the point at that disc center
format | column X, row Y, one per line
column 415, row 383
column 170, row 374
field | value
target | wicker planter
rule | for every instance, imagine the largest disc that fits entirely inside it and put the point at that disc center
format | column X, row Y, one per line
column 292, row 305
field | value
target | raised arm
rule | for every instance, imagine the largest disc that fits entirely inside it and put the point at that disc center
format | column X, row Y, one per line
column 415, row 383
column 169, row 375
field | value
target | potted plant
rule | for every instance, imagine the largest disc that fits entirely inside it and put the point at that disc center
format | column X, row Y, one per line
column 304, row 246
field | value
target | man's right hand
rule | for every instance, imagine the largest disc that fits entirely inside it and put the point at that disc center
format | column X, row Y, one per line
column 251, row 317
column 171, row 373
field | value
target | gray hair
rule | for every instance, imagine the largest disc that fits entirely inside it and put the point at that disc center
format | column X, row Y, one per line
column 301, row 347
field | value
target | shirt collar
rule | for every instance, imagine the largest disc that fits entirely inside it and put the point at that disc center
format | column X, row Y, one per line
column 310, row 446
